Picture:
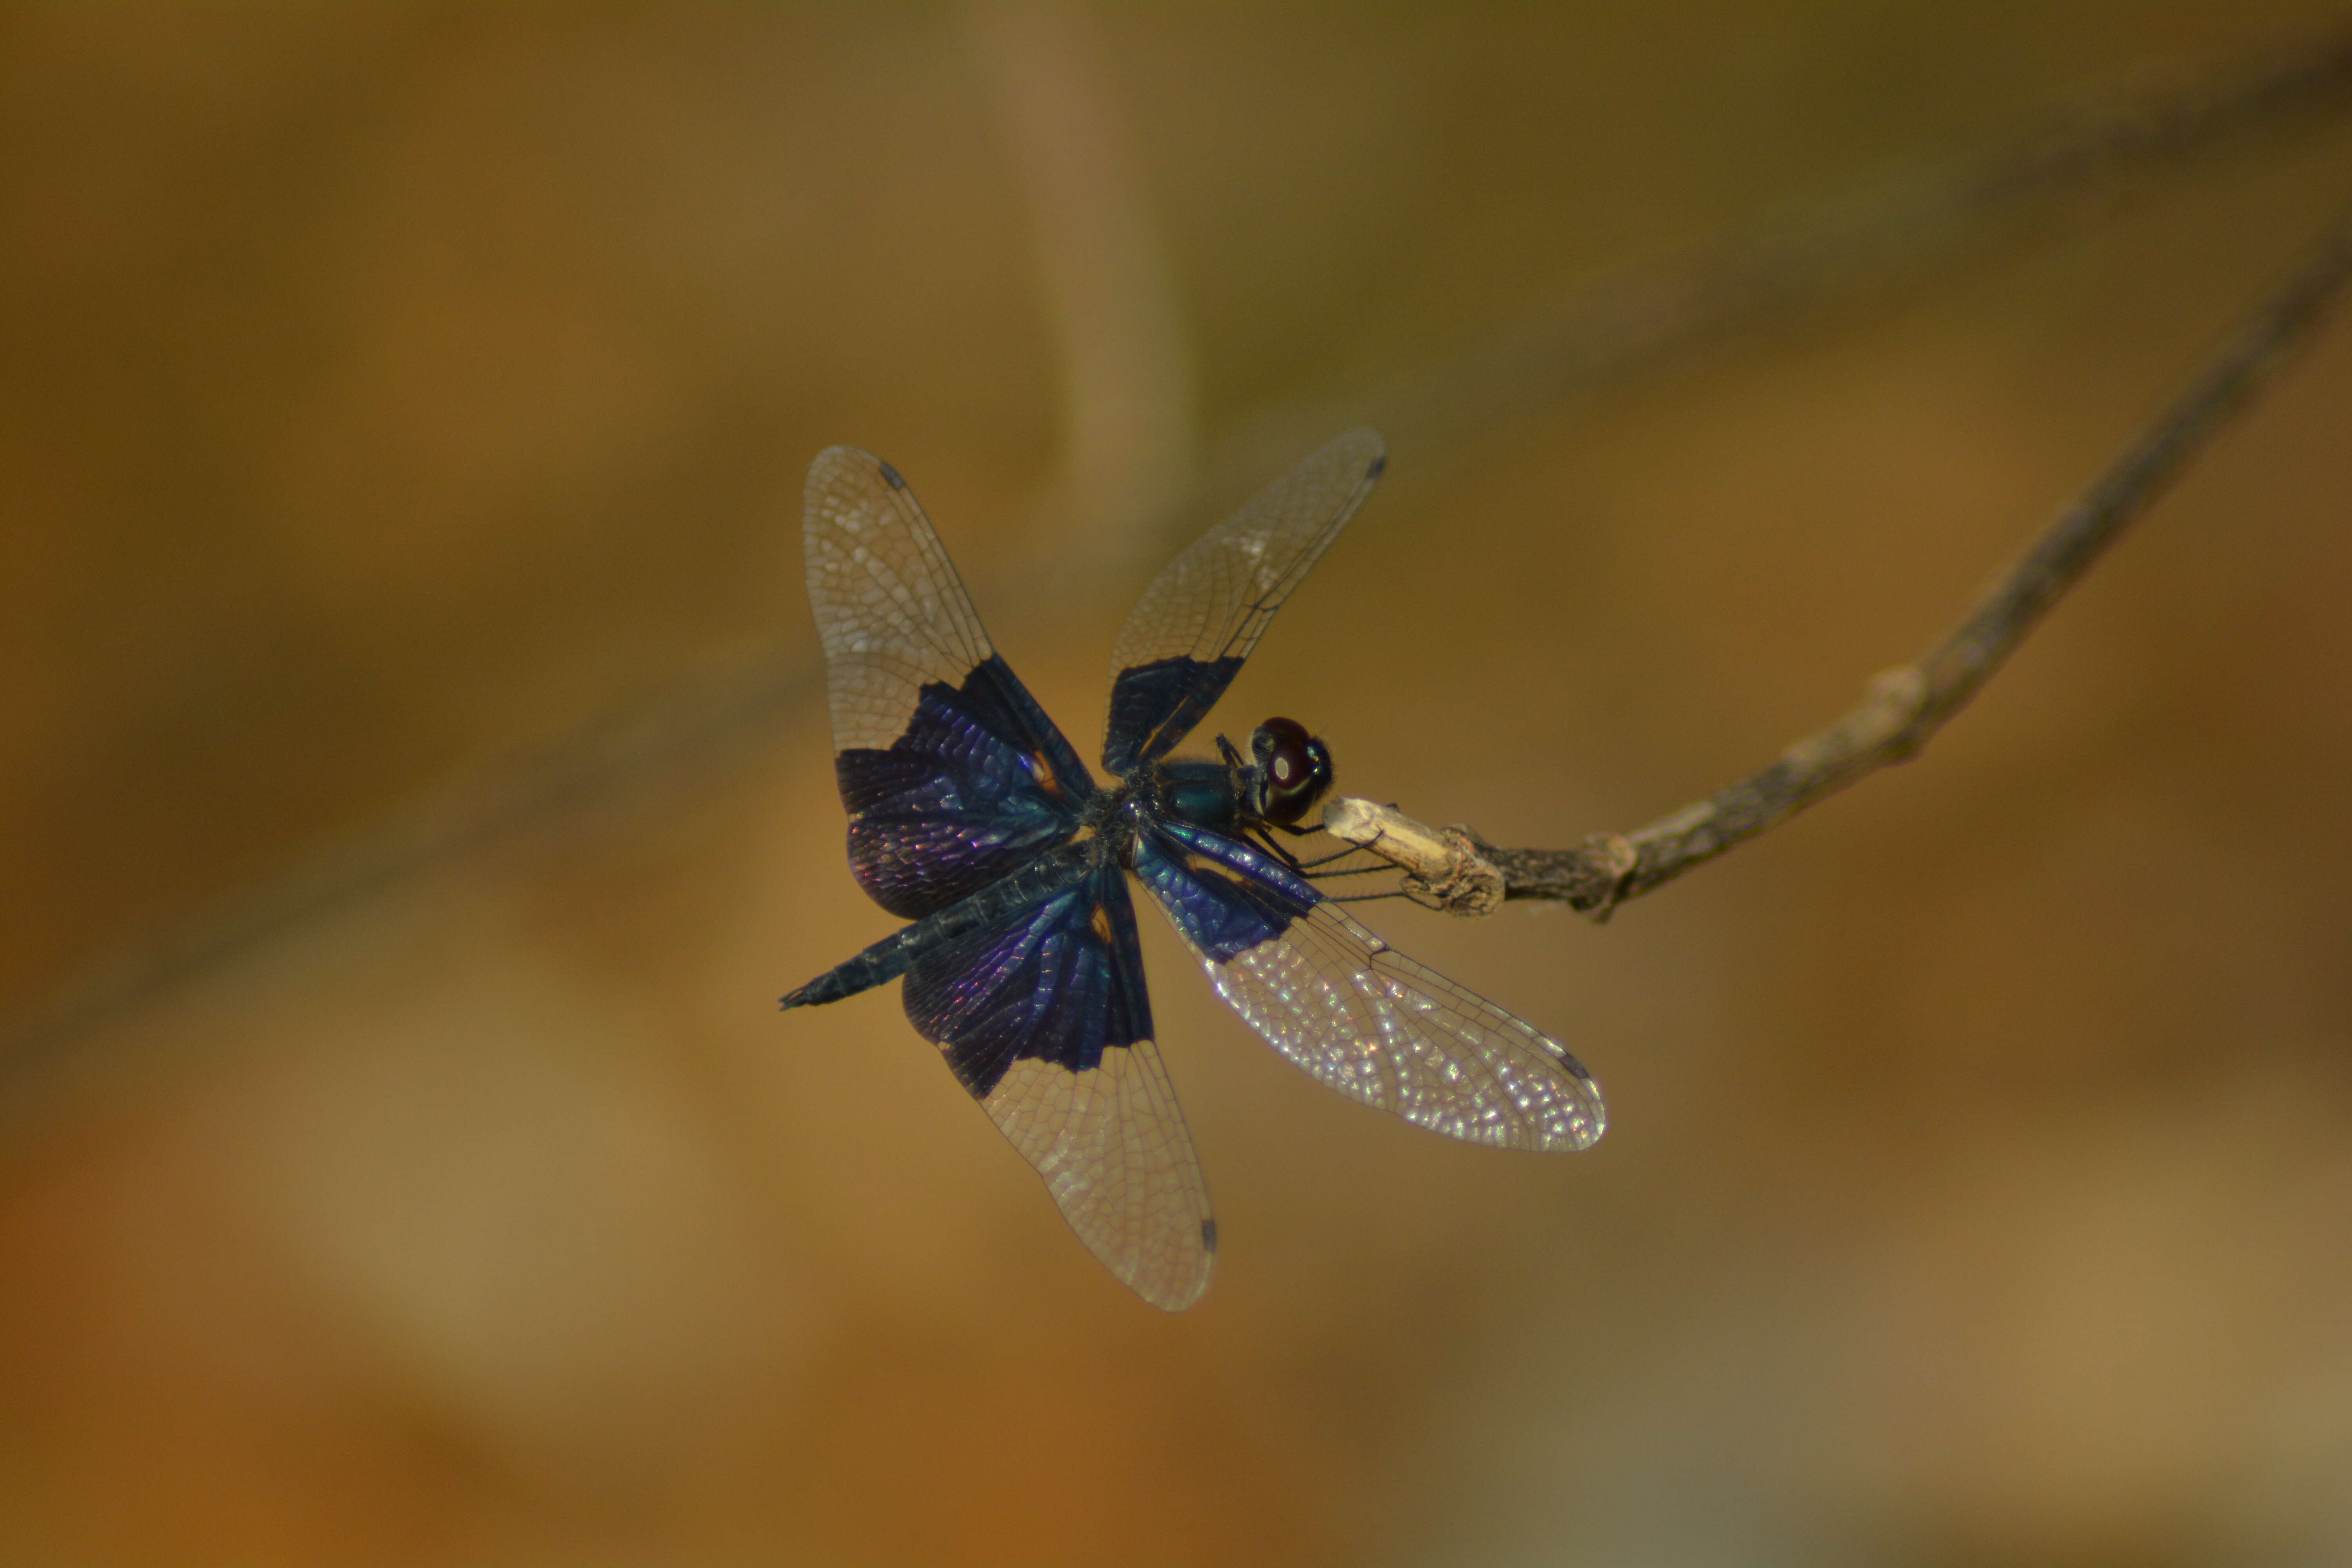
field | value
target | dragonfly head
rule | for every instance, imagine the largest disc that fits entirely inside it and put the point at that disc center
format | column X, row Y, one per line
column 1294, row 769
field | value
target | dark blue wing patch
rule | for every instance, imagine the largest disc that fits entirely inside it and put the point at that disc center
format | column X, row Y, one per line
column 978, row 785
column 1061, row 982
column 1203, row 614
column 1154, row 706
column 1223, row 897
column 1044, row 1017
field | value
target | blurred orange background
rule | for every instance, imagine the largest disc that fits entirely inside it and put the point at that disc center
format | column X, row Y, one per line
column 414, row 781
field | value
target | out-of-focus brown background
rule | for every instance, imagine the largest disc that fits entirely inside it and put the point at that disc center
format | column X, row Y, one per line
column 390, row 391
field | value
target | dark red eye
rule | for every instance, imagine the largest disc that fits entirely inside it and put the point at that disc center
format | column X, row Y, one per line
column 1294, row 766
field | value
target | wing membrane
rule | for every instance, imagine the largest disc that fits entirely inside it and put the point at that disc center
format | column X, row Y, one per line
column 952, row 775
column 891, row 610
column 1045, row 1020
column 1200, row 618
column 1360, row 1016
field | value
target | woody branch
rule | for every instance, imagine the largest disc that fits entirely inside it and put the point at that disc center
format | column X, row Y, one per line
column 1455, row 870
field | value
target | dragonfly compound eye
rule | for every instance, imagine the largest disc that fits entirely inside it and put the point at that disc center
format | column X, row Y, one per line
column 1297, row 766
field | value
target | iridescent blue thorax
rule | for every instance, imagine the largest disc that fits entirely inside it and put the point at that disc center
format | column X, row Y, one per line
column 1237, row 795
column 1206, row 794
column 1198, row 792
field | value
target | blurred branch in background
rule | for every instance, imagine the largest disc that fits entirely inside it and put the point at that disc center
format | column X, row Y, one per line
column 1455, row 870
column 602, row 766
column 1108, row 292
column 1651, row 316
column 1109, row 289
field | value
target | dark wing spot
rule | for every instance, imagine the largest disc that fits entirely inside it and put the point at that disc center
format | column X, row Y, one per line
column 890, row 476
column 1209, row 1234
column 1380, row 465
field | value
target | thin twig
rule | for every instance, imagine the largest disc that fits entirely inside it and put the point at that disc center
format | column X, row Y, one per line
column 1455, row 870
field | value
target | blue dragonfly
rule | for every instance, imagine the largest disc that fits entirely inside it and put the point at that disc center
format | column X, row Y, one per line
column 971, row 816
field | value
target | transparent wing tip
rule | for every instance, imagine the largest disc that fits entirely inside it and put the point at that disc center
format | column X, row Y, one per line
column 1365, row 444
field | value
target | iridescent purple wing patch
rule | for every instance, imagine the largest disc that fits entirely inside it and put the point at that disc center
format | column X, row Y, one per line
column 952, row 775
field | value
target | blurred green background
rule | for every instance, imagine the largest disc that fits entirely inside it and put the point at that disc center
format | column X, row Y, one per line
column 390, row 391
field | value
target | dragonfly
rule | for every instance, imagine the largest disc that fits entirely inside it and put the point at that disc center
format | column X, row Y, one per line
column 973, row 818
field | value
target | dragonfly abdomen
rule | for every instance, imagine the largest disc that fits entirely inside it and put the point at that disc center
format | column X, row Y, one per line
column 1056, row 871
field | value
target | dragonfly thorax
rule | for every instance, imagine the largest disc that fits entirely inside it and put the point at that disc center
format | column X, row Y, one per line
column 1286, row 772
